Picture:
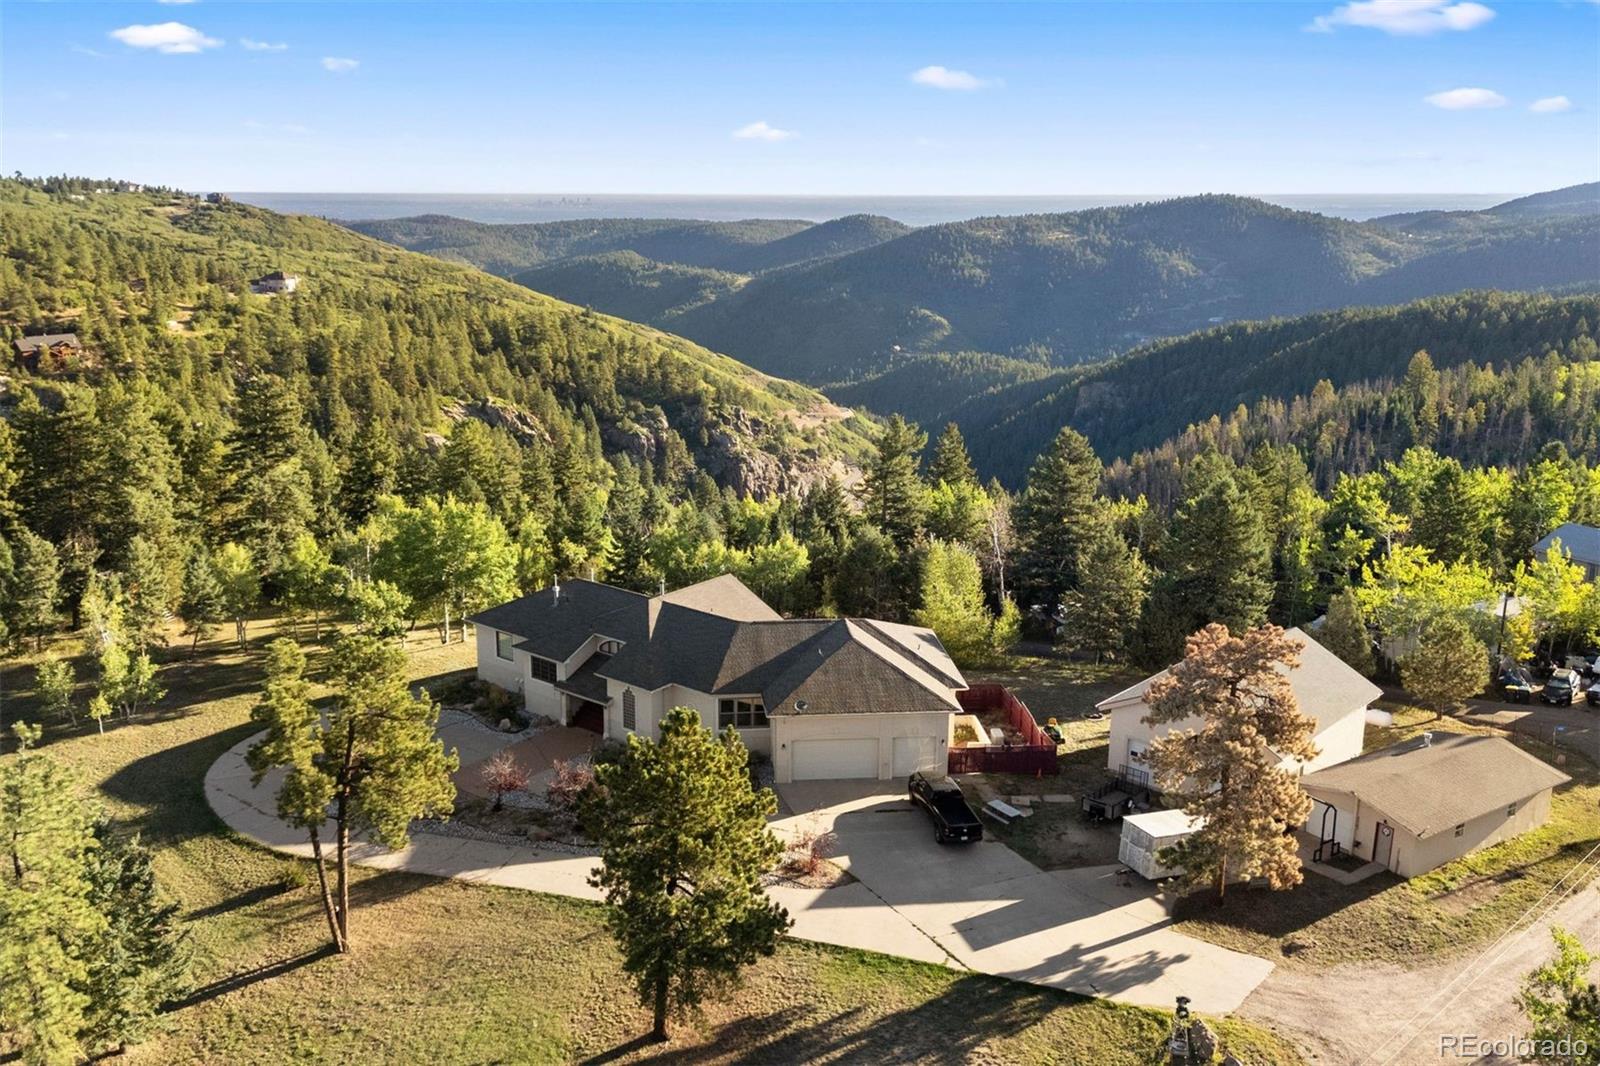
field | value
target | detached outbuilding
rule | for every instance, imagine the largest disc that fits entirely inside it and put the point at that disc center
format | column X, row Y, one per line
column 1419, row 804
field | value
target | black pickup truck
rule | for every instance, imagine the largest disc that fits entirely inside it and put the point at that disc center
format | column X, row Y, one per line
column 953, row 820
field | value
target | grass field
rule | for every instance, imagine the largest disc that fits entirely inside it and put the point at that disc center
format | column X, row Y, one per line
column 1429, row 918
column 446, row 972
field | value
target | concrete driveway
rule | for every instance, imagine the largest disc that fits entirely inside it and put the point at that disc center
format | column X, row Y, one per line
column 993, row 911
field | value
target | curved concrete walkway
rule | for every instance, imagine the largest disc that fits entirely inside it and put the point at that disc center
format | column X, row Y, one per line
column 983, row 907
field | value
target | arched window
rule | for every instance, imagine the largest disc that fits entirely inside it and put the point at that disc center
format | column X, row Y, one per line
column 610, row 647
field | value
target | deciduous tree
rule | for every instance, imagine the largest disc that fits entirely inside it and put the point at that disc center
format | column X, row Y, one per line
column 684, row 844
column 1563, row 1005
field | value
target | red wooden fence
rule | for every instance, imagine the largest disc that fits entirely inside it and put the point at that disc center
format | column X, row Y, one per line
column 1034, row 753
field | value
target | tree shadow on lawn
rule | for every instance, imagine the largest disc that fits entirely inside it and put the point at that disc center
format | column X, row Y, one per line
column 169, row 786
column 1278, row 915
column 245, row 978
column 948, row 1028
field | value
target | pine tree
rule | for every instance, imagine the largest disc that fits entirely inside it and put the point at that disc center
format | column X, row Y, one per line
column 147, row 583
column 951, row 463
column 141, row 960
column 1448, row 665
column 370, row 472
column 47, row 911
column 201, row 604
column 1344, row 633
column 35, row 588
column 1054, row 516
column 891, row 491
column 1227, row 772
column 1101, row 615
column 1216, row 563
column 374, row 756
column 684, row 845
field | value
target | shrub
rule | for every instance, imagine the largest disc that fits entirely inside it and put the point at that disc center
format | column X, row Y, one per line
column 502, row 774
column 572, row 779
column 809, row 851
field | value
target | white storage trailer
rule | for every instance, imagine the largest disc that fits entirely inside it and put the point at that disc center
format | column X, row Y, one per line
column 1144, row 835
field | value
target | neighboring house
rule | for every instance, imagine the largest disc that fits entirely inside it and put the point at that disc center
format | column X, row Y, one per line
column 31, row 350
column 1334, row 696
column 1581, row 543
column 1421, row 803
column 277, row 281
column 823, row 698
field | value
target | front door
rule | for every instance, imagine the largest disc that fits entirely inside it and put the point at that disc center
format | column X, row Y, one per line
column 590, row 716
column 1383, row 843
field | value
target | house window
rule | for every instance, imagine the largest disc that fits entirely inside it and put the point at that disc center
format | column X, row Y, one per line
column 1461, row 829
column 542, row 669
column 1511, row 809
column 502, row 644
column 609, row 647
column 741, row 714
column 630, row 714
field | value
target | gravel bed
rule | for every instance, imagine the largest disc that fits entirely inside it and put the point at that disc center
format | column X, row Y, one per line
column 434, row 827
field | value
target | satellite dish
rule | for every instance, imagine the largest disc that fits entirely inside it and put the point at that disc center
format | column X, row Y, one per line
column 801, row 705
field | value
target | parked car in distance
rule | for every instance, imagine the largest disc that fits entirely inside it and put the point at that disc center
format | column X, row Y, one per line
column 953, row 820
column 1561, row 689
column 1592, row 697
column 1517, row 685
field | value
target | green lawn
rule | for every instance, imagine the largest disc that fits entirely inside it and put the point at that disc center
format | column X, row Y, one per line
column 446, row 972
column 1448, row 911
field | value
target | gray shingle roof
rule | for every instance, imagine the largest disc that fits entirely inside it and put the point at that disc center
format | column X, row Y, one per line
column 1580, row 541
column 1432, row 788
column 718, row 637
column 585, row 683
column 1324, row 686
column 44, row 341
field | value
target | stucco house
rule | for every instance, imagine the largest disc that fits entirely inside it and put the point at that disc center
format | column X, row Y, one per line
column 1580, row 542
column 823, row 698
column 1421, row 803
column 1334, row 696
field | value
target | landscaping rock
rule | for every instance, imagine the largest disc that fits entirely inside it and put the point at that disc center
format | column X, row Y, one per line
column 505, row 725
column 1056, row 797
column 1024, row 801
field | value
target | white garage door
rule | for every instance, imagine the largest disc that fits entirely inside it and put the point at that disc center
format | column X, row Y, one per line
column 917, row 753
column 825, row 760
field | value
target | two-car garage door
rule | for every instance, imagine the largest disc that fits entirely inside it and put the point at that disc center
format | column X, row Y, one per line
column 857, row 757
column 826, row 760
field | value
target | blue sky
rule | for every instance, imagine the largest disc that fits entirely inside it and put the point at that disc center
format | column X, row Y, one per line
column 1371, row 96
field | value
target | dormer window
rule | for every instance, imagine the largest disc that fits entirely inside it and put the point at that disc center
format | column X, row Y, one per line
column 609, row 647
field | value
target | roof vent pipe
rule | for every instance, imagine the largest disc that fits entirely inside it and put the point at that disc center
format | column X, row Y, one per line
column 556, row 588
column 1427, row 740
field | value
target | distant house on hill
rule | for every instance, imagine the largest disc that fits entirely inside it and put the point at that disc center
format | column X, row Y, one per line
column 216, row 198
column 1580, row 542
column 30, row 351
column 277, row 281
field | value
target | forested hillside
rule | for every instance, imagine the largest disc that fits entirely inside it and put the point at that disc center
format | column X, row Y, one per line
column 850, row 299
column 748, row 247
column 1152, row 394
column 157, row 285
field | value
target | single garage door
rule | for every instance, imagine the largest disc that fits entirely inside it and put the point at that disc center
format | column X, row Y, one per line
column 826, row 760
column 917, row 753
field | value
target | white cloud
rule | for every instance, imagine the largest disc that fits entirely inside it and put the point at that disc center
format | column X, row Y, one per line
column 251, row 45
column 339, row 64
column 171, row 38
column 1466, row 99
column 1550, row 105
column 937, row 77
column 1405, row 18
column 760, row 131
